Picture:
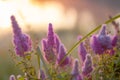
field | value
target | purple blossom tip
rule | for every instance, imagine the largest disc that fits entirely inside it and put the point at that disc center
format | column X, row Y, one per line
column 79, row 37
column 16, row 28
column 50, row 36
column 12, row 77
column 61, row 55
column 87, row 67
column 50, row 29
column 103, row 30
column 75, row 69
column 12, row 18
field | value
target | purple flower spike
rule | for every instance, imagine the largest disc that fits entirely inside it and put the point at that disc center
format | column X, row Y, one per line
column 75, row 71
column 51, row 45
column 102, row 42
column 61, row 55
column 12, row 77
column 21, row 41
column 82, row 52
column 48, row 52
column 50, row 36
column 96, row 45
column 87, row 67
column 57, row 43
column 16, row 28
column 103, row 30
column 104, row 39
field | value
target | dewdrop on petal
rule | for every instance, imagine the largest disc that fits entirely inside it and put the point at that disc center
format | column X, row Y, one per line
column 12, row 77
column 87, row 68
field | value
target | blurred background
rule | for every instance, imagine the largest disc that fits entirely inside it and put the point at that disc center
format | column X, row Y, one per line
column 70, row 18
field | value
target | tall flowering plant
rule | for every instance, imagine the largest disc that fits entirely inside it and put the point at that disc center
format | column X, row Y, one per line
column 100, row 62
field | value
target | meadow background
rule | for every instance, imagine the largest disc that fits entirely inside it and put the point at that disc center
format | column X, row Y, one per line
column 70, row 18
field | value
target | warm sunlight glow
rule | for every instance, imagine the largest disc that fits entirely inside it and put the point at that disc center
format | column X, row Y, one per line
column 36, row 15
column 6, row 10
column 86, row 21
column 43, row 14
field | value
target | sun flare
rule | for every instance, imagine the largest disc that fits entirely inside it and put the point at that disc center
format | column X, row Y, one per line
column 34, row 15
column 30, row 13
column 6, row 10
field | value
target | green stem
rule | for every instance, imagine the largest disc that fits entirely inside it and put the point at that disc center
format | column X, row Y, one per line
column 97, row 28
column 38, row 58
